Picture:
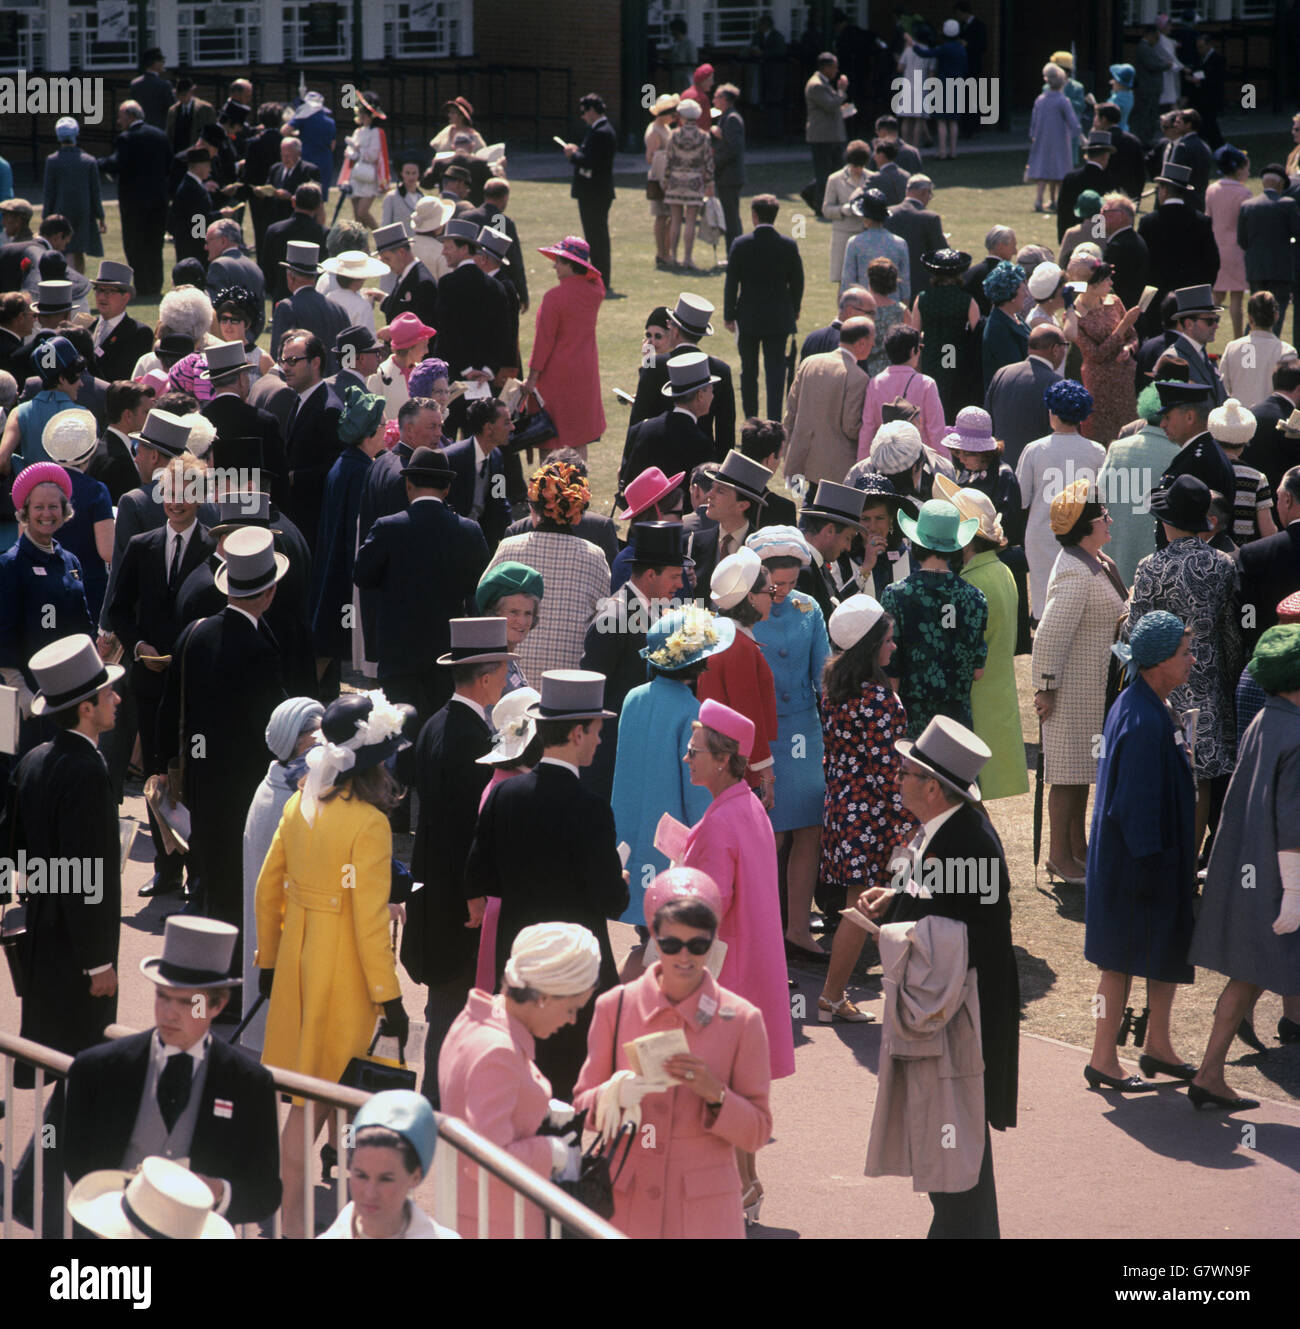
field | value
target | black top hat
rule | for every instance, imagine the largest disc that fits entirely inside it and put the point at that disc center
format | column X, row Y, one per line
column 1174, row 392
column 946, row 260
column 660, row 544
column 841, row 504
column 235, row 112
column 477, row 641
column 243, row 453
column 173, row 347
column 428, row 466
column 870, row 203
column 747, row 477
column 339, row 725
column 571, row 694
column 195, row 155
column 1184, row 504
column 1194, row 300
column 1176, row 175
column 358, row 340
column 252, row 509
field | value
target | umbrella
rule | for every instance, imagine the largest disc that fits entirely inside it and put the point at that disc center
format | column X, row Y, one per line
column 1038, row 791
column 790, row 356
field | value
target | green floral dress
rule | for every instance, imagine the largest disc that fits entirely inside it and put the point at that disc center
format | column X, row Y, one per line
column 939, row 622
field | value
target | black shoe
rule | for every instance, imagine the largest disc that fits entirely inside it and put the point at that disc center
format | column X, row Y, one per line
column 1246, row 1032
column 1150, row 1066
column 801, row 954
column 1129, row 1084
column 1288, row 1031
column 159, row 884
column 1203, row 1098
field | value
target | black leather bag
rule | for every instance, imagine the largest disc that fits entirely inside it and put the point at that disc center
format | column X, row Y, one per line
column 372, row 1076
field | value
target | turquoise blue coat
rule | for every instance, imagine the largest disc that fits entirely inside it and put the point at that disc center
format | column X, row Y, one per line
column 650, row 778
column 794, row 643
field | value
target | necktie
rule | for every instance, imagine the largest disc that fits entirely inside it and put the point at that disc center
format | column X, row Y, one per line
column 174, row 572
column 174, row 1087
column 293, row 416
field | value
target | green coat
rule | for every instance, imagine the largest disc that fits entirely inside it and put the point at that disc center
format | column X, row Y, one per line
column 994, row 704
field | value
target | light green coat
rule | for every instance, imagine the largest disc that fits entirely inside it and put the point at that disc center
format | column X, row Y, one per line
column 995, row 707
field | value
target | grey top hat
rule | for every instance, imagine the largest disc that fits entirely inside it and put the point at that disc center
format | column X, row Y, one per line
column 1195, row 300
column 165, row 433
column 252, row 565
column 476, row 641
column 1176, row 174
column 497, row 243
column 951, row 753
column 115, row 274
column 745, row 476
column 227, row 359
column 302, row 256
column 687, row 374
column 838, row 503
column 53, row 297
column 389, row 237
column 464, row 231
column 69, row 671
column 692, row 314
column 571, row 694
column 196, row 954
column 246, row 510
column 1100, row 140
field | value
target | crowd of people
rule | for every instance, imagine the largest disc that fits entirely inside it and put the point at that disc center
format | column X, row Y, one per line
column 732, row 720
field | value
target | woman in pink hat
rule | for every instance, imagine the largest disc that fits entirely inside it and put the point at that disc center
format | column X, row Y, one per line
column 409, row 339
column 564, row 369
column 710, row 1111
column 734, row 844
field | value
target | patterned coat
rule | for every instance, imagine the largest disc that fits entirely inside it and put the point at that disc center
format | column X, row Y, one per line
column 1199, row 584
column 1071, row 657
column 576, row 579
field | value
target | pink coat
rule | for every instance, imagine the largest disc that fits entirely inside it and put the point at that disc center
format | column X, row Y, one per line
column 487, row 1078
column 566, row 363
column 680, row 1179
column 734, row 844
column 920, row 389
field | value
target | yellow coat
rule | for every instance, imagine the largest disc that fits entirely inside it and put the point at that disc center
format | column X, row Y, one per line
column 322, row 925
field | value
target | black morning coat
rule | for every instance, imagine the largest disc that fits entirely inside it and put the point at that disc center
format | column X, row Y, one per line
column 415, row 293
column 720, row 422
column 417, row 570
column 461, row 458
column 674, row 442
column 547, row 848
column 764, row 287
column 468, row 313
column 312, row 444
column 236, row 1136
column 60, row 805
column 234, row 419
column 968, row 837
column 115, row 358
column 436, row 945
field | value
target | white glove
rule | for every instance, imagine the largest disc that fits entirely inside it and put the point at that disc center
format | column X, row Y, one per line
column 632, row 1090
column 1288, row 919
column 618, row 1101
column 566, row 1159
column 560, row 1113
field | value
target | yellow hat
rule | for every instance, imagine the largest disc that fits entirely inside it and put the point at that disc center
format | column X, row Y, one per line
column 1067, row 506
column 1064, row 59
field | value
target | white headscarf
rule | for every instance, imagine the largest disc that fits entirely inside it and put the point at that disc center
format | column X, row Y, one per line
column 560, row 959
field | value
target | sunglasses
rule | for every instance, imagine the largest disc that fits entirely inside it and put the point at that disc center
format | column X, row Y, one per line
column 672, row 945
column 292, row 359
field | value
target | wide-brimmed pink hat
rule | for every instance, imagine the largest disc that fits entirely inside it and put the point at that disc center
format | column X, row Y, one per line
column 40, row 473
column 573, row 248
column 406, row 330
column 646, row 490
column 681, row 884
column 714, row 715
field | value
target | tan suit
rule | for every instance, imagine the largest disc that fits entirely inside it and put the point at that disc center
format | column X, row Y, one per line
column 823, row 415
column 823, row 100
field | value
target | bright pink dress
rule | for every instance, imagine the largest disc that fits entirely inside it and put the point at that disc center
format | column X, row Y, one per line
column 566, row 362
column 485, row 975
column 1223, row 200
column 680, row 1179
column 734, row 844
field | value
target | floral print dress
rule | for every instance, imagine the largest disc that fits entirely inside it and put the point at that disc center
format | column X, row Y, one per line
column 864, row 820
column 939, row 623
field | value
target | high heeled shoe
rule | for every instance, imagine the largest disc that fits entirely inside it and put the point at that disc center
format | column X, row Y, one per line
column 1053, row 872
column 752, row 1202
column 1203, row 1098
column 1178, row 1070
column 1128, row 1084
column 1288, row 1031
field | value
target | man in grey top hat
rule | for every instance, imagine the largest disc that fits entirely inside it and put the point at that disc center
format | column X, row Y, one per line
column 1196, row 320
column 494, row 257
column 468, row 314
column 175, row 1091
column 305, row 306
column 829, row 524
column 416, row 291
column 674, row 441
column 119, row 340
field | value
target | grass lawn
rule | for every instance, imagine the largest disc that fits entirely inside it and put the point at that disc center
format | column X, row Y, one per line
column 972, row 194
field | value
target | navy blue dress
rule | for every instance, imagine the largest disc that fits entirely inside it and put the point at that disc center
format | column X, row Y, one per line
column 1141, row 867
column 91, row 503
column 331, row 583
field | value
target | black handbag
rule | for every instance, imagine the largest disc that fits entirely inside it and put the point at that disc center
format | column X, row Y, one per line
column 373, row 1076
column 530, row 429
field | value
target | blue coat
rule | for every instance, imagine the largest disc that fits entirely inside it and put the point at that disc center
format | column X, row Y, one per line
column 32, row 581
column 72, row 189
column 795, row 645
column 336, row 549
column 317, row 133
column 1141, row 868
column 650, row 778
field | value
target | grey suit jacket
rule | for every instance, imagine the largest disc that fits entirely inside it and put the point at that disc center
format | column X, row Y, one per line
column 1015, row 401
column 1266, row 227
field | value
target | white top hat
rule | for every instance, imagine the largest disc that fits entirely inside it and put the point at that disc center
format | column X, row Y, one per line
column 354, row 263
column 162, row 1201
column 252, row 565
column 734, row 578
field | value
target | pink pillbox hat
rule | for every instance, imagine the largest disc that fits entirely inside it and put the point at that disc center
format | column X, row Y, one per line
column 679, row 884
column 39, row 473
column 715, row 715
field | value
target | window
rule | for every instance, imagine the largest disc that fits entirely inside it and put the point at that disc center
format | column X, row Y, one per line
column 433, row 29
column 217, row 34
column 22, row 36
column 87, row 34
column 731, row 24
column 317, row 31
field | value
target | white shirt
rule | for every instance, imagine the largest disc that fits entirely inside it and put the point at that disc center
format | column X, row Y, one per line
column 479, row 455
column 105, row 328
column 555, row 761
column 472, row 704
column 686, row 411
column 245, row 613
column 931, row 827
column 183, row 537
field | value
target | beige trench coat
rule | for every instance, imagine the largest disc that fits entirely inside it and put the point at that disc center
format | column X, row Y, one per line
column 823, row 416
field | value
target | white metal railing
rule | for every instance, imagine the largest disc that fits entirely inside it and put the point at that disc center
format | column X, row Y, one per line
column 218, row 34
column 456, row 1142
